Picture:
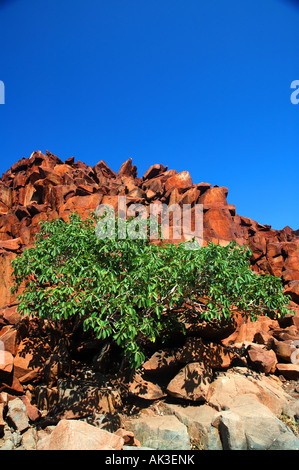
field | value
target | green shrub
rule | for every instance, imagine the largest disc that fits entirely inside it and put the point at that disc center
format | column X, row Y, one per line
column 128, row 290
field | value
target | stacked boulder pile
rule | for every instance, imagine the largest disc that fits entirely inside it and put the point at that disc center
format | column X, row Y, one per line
column 220, row 386
column 43, row 187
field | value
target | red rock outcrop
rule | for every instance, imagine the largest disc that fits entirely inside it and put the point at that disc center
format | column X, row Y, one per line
column 43, row 187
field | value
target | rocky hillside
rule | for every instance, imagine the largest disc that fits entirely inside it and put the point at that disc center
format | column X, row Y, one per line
column 44, row 187
column 201, row 389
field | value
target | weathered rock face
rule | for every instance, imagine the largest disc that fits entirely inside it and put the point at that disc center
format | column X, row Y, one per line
column 229, row 386
column 44, row 187
column 17, row 414
column 77, row 435
column 250, row 425
column 145, row 389
column 162, row 432
column 211, row 354
column 198, row 420
column 191, row 383
column 243, row 411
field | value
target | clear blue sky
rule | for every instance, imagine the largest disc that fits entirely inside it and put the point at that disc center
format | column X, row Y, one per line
column 197, row 85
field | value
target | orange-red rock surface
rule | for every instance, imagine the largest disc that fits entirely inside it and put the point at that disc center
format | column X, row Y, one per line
column 43, row 187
